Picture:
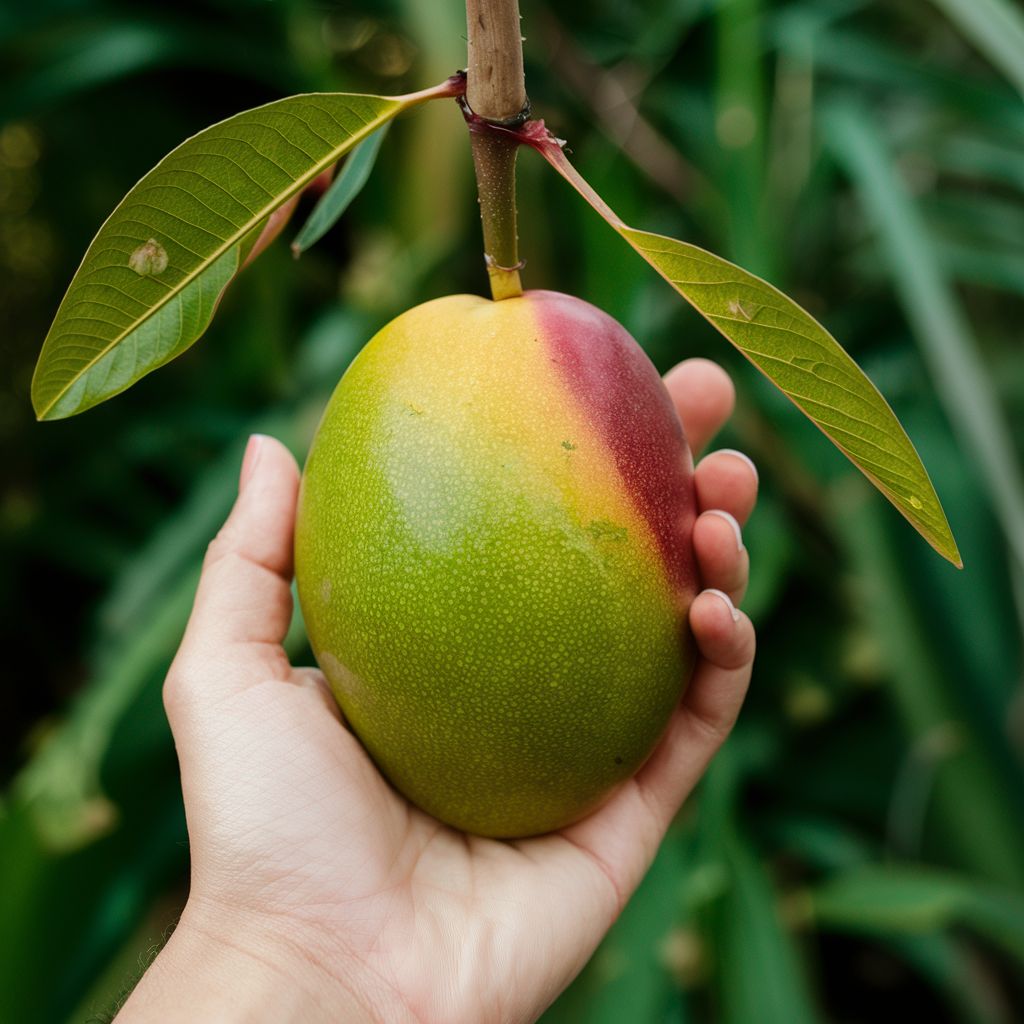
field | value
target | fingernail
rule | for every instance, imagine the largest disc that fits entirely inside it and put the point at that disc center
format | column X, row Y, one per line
column 250, row 459
column 728, row 602
column 731, row 520
column 740, row 455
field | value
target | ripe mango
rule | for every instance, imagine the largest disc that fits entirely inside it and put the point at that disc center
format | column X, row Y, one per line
column 493, row 557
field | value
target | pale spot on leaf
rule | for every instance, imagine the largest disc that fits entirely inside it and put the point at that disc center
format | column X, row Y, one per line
column 148, row 258
column 738, row 309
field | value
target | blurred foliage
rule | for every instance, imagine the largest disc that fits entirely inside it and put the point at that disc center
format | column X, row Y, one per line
column 857, row 851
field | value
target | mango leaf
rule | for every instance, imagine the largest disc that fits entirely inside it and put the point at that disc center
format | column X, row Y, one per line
column 151, row 279
column 335, row 201
column 790, row 348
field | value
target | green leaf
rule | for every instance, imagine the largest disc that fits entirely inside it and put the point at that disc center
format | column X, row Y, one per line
column 79, row 370
column 71, row 57
column 795, row 352
column 968, row 796
column 863, row 62
column 153, row 275
column 335, row 201
column 934, row 312
column 996, row 28
column 921, row 900
column 949, row 965
column 761, row 976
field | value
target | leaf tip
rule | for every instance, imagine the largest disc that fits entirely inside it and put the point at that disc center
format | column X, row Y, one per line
column 47, row 413
column 947, row 547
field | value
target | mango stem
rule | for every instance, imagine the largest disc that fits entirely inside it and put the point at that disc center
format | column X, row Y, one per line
column 496, row 96
column 494, row 158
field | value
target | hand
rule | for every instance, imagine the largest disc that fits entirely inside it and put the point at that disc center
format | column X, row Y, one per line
column 320, row 893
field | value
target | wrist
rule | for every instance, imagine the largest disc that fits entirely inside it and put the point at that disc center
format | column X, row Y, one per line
column 219, row 974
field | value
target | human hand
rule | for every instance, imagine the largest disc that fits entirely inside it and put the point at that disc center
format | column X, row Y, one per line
column 318, row 892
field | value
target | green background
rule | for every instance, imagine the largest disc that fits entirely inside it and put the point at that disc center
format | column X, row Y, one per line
column 857, row 851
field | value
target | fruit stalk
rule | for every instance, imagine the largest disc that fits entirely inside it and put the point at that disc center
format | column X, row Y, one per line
column 496, row 95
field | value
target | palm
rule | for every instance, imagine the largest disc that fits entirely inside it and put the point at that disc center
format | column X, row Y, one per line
column 310, row 832
column 292, row 824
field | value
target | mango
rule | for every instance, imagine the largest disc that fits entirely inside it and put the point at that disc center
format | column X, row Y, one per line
column 494, row 561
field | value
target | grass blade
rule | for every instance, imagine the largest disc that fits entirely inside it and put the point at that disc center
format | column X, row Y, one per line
column 935, row 314
column 996, row 28
column 917, row 899
column 760, row 974
column 863, row 61
column 972, row 802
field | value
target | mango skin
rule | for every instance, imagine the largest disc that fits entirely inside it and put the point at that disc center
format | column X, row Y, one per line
column 493, row 558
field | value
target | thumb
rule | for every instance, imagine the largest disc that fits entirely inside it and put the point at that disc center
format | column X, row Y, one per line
column 243, row 604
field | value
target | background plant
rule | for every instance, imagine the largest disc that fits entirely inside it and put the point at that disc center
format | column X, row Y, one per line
column 859, row 846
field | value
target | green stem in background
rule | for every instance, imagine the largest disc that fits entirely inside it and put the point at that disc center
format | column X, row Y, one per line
column 496, row 96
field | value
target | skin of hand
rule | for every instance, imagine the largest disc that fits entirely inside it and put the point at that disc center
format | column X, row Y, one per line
column 317, row 892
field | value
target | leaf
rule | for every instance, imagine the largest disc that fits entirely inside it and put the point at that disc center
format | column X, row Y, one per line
column 864, row 62
column 996, row 27
column 934, row 313
column 921, row 900
column 793, row 350
column 761, row 976
column 949, row 965
column 969, row 796
column 110, row 367
column 69, row 57
column 153, row 275
column 335, row 201
column 980, row 156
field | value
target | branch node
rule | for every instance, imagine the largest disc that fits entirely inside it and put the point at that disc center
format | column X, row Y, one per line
column 493, row 264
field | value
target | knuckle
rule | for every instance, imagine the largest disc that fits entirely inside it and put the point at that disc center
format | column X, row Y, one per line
column 174, row 693
column 219, row 548
column 746, row 645
column 740, row 572
column 715, row 726
column 180, row 689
